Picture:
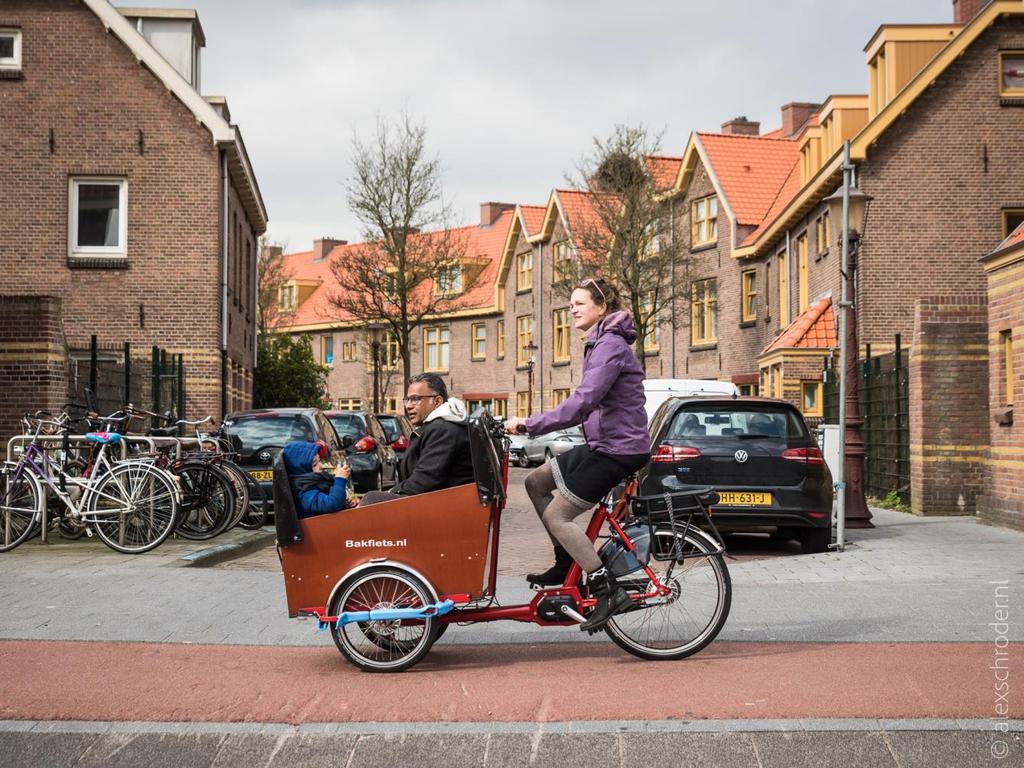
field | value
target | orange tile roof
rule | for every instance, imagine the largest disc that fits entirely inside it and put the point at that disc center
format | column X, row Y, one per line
column 814, row 329
column 776, row 134
column 751, row 171
column 481, row 242
column 790, row 188
column 581, row 215
column 533, row 218
column 663, row 170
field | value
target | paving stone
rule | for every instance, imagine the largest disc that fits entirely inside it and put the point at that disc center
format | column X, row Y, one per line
column 688, row 750
column 54, row 750
column 822, row 750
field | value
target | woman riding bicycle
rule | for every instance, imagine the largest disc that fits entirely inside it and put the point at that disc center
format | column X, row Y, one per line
column 609, row 402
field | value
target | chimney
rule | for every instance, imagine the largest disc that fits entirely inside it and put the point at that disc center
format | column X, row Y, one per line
column 270, row 251
column 795, row 115
column 489, row 212
column 322, row 247
column 965, row 10
column 740, row 126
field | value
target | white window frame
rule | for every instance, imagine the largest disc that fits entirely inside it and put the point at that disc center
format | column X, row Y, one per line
column 12, row 62
column 98, row 251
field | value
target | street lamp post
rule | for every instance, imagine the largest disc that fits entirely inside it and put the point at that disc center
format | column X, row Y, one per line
column 375, row 329
column 848, row 206
column 530, row 348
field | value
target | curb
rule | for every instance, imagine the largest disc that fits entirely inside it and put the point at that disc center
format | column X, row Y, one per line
column 219, row 553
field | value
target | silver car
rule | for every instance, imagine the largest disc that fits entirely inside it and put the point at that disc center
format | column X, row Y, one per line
column 538, row 449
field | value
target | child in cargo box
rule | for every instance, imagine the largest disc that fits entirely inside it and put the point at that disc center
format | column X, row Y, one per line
column 316, row 491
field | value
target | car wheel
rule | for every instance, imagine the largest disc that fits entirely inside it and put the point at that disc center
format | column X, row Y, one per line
column 815, row 540
column 523, row 461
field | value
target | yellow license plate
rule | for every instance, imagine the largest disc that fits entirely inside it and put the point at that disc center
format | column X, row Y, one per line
column 744, row 499
column 262, row 474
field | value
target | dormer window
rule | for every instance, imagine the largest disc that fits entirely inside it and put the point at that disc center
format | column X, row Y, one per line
column 10, row 49
column 286, row 298
column 449, row 280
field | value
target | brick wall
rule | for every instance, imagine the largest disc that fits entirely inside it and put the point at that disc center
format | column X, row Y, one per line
column 949, row 429
column 84, row 85
column 33, row 364
column 1002, row 503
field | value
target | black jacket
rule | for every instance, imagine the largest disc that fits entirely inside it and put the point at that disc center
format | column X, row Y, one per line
column 438, row 457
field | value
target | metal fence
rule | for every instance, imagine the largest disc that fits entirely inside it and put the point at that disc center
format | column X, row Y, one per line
column 885, row 408
column 117, row 375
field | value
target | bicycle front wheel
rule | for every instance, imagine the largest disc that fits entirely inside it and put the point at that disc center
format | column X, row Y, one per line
column 692, row 614
column 21, row 502
column 133, row 508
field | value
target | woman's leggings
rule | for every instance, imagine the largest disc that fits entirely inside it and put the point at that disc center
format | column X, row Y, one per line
column 557, row 513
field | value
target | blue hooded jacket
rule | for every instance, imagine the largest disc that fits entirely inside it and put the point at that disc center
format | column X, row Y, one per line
column 315, row 493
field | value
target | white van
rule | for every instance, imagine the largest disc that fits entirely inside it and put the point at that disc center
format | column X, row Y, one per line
column 660, row 390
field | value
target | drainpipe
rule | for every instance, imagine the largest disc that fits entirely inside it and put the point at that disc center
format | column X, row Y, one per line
column 224, row 285
column 672, row 298
column 789, row 282
column 540, row 335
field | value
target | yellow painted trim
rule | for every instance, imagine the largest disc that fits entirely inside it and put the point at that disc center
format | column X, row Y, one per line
column 1004, row 449
column 1005, row 463
column 777, row 356
column 547, row 226
column 954, row 459
column 949, row 358
column 921, row 448
column 1010, row 93
column 908, row 33
column 925, row 346
column 839, row 102
column 1000, row 259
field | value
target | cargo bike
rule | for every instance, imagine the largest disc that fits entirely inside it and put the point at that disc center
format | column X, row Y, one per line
column 388, row 579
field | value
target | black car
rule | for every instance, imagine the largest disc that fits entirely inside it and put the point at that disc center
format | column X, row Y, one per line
column 757, row 453
column 398, row 430
column 371, row 457
column 258, row 436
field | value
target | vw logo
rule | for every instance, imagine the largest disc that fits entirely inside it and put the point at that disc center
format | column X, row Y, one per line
column 265, row 457
column 740, row 456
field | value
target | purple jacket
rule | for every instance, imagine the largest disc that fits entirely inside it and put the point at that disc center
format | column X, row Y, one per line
column 610, row 398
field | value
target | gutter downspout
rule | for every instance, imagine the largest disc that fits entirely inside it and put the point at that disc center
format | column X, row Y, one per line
column 789, row 284
column 224, row 285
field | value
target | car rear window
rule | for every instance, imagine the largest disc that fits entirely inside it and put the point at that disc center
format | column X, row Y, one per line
column 348, row 424
column 390, row 426
column 736, row 421
column 268, row 429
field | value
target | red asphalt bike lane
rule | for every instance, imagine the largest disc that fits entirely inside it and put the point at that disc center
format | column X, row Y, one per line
column 482, row 683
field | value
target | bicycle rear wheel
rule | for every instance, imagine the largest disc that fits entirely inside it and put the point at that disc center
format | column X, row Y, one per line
column 21, row 501
column 208, row 501
column 691, row 616
column 241, row 487
column 133, row 507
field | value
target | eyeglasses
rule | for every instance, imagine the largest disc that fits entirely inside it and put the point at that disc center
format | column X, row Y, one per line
column 417, row 398
column 593, row 282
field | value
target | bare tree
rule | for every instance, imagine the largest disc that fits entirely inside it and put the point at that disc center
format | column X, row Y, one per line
column 271, row 273
column 412, row 264
column 625, row 231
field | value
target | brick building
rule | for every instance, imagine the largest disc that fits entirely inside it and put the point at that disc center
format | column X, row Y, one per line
column 131, row 210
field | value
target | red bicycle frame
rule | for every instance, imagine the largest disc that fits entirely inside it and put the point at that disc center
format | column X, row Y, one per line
column 570, row 587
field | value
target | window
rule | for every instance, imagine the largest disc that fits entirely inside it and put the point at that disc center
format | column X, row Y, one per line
column 1012, row 218
column 522, row 404
column 449, row 280
column 326, row 350
column 703, row 311
column 499, row 332
column 652, row 240
column 748, row 287
column 704, row 221
column 524, row 336
column 479, row 344
column 1006, row 339
column 501, row 409
column 748, row 390
column 97, row 223
column 652, row 339
column 810, row 398
column 802, row 285
column 348, row 351
column 561, row 269
column 768, row 288
column 560, row 320
column 10, row 49
column 524, row 271
column 822, row 234
column 1011, row 73
column 286, row 298
column 559, row 396
column 783, row 292
column 391, row 283
column 350, row 404
column 435, row 348
column 391, row 354
column 391, row 405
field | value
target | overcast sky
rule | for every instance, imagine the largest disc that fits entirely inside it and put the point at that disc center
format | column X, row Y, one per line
column 511, row 92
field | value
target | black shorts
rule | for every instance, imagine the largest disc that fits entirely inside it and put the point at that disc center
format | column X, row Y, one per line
column 584, row 476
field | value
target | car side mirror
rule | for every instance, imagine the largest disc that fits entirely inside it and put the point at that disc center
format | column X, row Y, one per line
column 347, row 441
